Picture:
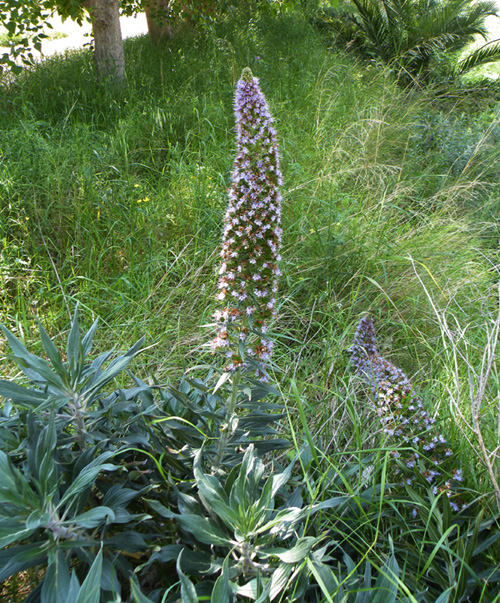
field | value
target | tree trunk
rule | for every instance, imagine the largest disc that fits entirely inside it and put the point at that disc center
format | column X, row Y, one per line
column 166, row 17
column 108, row 43
column 159, row 19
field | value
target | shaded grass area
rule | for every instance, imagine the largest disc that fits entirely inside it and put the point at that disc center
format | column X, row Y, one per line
column 116, row 202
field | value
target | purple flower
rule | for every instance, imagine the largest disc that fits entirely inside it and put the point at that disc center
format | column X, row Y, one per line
column 252, row 230
column 400, row 410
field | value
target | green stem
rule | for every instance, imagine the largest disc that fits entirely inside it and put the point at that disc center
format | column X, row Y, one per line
column 230, row 413
column 79, row 422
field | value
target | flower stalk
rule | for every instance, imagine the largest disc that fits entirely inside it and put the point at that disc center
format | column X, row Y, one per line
column 403, row 416
column 77, row 410
column 248, row 275
column 231, row 421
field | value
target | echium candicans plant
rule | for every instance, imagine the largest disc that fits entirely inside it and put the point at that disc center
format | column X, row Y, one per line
column 403, row 416
column 248, row 275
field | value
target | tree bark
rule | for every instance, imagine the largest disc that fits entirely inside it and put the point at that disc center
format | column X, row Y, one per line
column 108, row 43
column 166, row 17
column 157, row 15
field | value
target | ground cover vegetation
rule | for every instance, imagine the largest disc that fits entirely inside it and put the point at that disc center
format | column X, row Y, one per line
column 133, row 467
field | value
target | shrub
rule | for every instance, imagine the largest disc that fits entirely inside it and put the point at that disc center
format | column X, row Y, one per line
column 412, row 37
column 81, row 467
column 121, row 489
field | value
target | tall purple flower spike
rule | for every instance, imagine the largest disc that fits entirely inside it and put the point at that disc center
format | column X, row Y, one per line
column 402, row 413
column 248, row 275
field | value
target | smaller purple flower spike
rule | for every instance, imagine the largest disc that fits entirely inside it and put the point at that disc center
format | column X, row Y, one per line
column 249, row 272
column 401, row 412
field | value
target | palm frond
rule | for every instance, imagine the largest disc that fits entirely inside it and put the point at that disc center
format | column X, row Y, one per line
column 461, row 19
column 412, row 33
column 472, row 21
column 489, row 53
column 426, row 49
column 373, row 23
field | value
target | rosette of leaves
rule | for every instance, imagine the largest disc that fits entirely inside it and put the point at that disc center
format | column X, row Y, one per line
column 259, row 535
column 47, row 521
column 195, row 413
column 67, row 483
column 78, row 452
column 243, row 536
column 74, row 388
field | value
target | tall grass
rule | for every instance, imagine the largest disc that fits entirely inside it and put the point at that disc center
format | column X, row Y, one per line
column 117, row 202
column 390, row 203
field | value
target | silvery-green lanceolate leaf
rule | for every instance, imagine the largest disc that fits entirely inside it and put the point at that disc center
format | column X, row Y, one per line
column 90, row 591
column 204, row 530
column 87, row 339
column 281, row 479
column 188, row 591
column 118, row 496
column 213, row 495
column 161, row 509
column 282, row 519
column 95, row 366
column 188, row 505
column 87, row 476
column 195, row 563
column 74, row 587
column 330, row 585
column 46, row 466
column 245, row 490
column 364, row 595
column 166, row 554
column 129, row 541
column 295, row 554
column 330, row 503
column 92, row 518
column 386, row 586
column 28, row 360
column 21, row 395
column 56, row 583
column 53, row 355
column 14, row 529
column 13, row 486
column 446, row 595
column 222, row 590
column 74, row 347
column 254, row 588
column 38, row 517
column 116, row 366
column 349, row 563
column 109, row 578
column 137, row 595
column 278, row 582
column 19, row 558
